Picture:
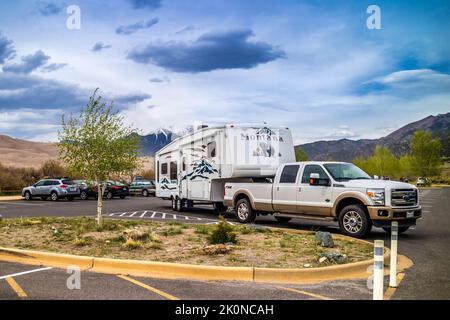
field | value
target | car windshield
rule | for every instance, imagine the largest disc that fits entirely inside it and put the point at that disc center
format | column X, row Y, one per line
column 345, row 171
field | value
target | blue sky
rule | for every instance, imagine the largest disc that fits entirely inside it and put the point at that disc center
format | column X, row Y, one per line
column 313, row 66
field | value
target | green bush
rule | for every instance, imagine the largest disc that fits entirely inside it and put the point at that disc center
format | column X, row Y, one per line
column 222, row 233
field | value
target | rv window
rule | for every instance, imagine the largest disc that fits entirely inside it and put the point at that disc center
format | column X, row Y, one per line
column 211, row 149
column 173, row 171
column 289, row 174
column 164, row 168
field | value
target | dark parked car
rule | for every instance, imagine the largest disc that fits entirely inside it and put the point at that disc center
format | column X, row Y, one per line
column 113, row 189
column 143, row 187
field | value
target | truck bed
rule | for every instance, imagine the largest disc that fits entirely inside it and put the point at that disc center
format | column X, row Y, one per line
column 259, row 192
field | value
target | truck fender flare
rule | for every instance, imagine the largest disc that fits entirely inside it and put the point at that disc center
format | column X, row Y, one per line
column 346, row 195
column 247, row 194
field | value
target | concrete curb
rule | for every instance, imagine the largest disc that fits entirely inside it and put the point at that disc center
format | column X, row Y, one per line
column 356, row 270
column 10, row 198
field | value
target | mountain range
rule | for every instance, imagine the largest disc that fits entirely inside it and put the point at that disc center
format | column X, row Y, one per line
column 23, row 153
column 398, row 141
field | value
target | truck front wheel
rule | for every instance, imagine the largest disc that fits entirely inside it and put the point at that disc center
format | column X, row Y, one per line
column 354, row 221
column 244, row 211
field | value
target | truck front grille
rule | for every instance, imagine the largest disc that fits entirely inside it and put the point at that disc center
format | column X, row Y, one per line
column 403, row 197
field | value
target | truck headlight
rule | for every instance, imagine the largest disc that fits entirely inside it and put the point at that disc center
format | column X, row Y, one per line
column 377, row 196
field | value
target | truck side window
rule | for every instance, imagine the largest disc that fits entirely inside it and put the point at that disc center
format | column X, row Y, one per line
column 164, row 168
column 289, row 174
column 173, row 171
column 313, row 168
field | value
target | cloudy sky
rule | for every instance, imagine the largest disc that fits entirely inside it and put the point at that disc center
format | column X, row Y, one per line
column 311, row 65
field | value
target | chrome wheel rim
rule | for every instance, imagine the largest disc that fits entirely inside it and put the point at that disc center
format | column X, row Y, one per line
column 83, row 196
column 243, row 211
column 27, row 196
column 54, row 196
column 352, row 221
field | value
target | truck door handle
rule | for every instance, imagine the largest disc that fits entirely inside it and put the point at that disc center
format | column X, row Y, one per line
column 278, row 188
column 300, row 189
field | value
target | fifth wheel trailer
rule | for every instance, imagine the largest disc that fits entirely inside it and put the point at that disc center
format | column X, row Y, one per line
column 194, row 168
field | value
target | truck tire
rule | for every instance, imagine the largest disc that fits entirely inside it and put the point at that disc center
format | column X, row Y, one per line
column 244, row 211
column 400, row 229
column 174, row 204
column 354, row 221
column 283, row 219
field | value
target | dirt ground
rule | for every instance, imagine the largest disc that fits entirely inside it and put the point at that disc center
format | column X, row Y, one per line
column 175, row 242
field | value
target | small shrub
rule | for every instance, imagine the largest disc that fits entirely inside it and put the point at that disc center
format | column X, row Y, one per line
column 215, row 249
column 80, row 242
column 155, row 245
column 131, row 244
column 222, row 233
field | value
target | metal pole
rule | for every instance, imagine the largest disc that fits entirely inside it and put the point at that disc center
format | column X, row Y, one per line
column 378, row 270
column 393, row 263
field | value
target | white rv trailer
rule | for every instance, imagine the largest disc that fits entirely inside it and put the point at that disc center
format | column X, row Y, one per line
column 194, row 168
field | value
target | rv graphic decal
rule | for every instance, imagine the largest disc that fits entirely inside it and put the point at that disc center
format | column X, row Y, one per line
column 201, row 169
column 164, row 184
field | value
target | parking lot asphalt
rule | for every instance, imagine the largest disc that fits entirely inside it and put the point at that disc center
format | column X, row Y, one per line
column 427, row 245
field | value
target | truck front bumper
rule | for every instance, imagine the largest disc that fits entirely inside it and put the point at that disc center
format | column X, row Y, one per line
column 382, row 216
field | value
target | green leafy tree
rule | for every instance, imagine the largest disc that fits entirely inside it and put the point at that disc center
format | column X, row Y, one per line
column 383, row 162
column 300, row 154
column 426, row 154
column 98, row 145
column 364, row 164
column 405, row 164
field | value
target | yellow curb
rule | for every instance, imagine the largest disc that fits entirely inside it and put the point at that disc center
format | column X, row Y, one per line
column 10, row 198
column 167, row 270
column 49, row 259
column 171, row 270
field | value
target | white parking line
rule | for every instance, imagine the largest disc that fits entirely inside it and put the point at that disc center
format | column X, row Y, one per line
column 163, row 215
column 133, row 214
column 25, row 272
column 153, row 215
column 143, row 214
column 123, row 214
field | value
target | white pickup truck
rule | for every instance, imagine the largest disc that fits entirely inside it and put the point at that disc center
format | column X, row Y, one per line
column 336, row 191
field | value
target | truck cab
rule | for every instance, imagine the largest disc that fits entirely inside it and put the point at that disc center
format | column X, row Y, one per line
column 336, row 191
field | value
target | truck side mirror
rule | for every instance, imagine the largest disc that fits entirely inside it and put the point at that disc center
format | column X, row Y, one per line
column 315, row 180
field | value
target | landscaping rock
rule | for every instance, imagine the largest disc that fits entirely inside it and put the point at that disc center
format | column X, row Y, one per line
column 335, row 257
column 324, row 239
column 307, row 265
column 260, row 228
column 323, row 259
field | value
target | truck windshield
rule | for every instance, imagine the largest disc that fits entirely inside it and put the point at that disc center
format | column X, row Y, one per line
column 345, row 171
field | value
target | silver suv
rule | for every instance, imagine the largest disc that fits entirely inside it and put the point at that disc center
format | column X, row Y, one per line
column 54, row 189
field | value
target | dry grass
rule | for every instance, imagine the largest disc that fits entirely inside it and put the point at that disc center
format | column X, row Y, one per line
column 171, row 242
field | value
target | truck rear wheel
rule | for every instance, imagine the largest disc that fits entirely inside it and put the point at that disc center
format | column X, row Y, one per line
column 244, row 211
column 354, row 221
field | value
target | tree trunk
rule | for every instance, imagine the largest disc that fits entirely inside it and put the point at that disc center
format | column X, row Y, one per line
column 100, row 190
